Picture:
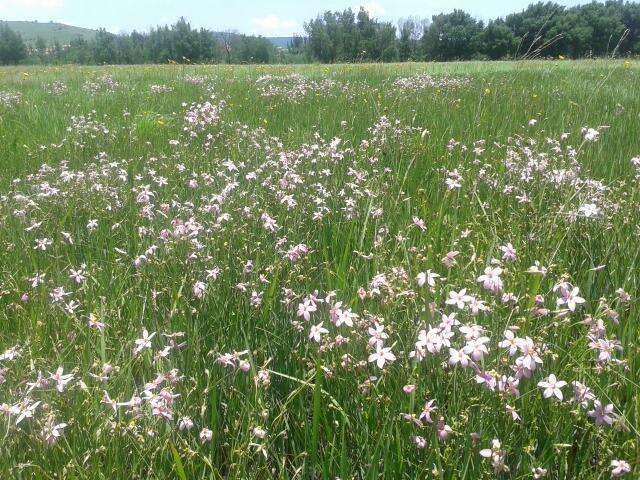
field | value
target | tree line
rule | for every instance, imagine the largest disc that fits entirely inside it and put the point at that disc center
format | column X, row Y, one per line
column 544, row 29
column 177, row 43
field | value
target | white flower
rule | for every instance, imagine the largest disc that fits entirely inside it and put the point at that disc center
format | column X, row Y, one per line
column 382, row 355
column 51, row 433
column 199, row 289
column 458, row 356
column 589, row 210
column 185, row 423
column 510, row 341
column 316, row 332
column 590, row 134
column 428, row 278
column 552, row 387
column 206, row 435
column 61, row 379
column 459, row 299
column 306, row 309
column 143, row 342
column 571, row 298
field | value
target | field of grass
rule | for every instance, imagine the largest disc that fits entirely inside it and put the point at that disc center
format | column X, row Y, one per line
column 355, row 272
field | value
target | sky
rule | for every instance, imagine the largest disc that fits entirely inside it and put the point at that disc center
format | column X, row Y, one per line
column 261, row 17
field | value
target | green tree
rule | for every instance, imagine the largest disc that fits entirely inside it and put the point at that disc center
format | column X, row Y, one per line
column 631, row 19
column 347, row 37
column 104, row 47
column 12, row 47
column 532, row 26
column 497, row 41
column 452, row 36
column 410, row 31
column 185, row 45
column 40, row 49
column 80, row 52
column 605, row 21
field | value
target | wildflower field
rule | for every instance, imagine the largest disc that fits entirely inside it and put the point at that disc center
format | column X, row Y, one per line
column 355, row 272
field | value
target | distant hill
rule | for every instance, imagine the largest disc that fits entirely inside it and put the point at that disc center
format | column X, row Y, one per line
column 51, row 31
column 280, row 41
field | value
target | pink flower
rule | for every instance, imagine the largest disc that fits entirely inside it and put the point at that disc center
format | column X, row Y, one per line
column 418, row 222
column 508, row 252
column 409, row 389
column 491, row 279
column 497, row 456
column 185, row 423
column 619, row 468
column 510, row 341
column 449, row 260
column 602, row 414
column 377, row 334
column 427, row 410
column 52, row 432
column 458, row 357
column 513, row 412
column 199, row 290
column 444, row 430
column 420, row 442
column 306, row 308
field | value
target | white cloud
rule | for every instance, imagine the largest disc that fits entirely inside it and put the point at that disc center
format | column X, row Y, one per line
column 374, row 9
column 35, row 4
column 272, row 25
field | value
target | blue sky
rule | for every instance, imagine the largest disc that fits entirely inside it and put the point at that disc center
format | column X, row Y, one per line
column 269, row 18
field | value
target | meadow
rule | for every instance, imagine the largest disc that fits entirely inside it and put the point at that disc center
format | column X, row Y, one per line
column 346, row 271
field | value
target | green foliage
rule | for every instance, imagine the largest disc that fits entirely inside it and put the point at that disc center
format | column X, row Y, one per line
column 178, row 43
column 12, row 48
column 541, row 30
column 345, row 37
column 454, row 36
column 497, row 41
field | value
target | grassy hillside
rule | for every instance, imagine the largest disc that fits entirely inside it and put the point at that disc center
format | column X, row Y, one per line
column 50, row 32
column 282, row 42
